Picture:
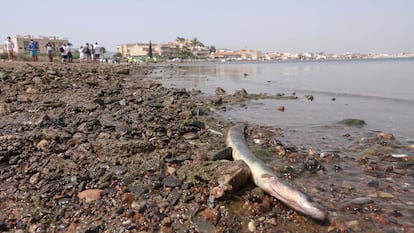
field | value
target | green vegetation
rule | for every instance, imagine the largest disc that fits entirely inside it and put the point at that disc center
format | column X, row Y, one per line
column 353, row 123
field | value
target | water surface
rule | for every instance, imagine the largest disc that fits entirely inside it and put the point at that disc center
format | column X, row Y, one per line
column 377, row 91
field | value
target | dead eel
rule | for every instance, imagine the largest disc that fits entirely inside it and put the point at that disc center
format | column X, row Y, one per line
column 267, row 180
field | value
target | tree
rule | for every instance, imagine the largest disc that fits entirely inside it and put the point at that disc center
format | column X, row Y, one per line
column 212, row 49
column 185, row 52
column 180, row 39
column 102, row 51
column 195, row 42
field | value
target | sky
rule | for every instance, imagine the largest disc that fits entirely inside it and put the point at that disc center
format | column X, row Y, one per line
column 297, row 26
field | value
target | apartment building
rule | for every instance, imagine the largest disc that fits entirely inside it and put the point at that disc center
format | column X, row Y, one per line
column 142, row 49
column 21, row 43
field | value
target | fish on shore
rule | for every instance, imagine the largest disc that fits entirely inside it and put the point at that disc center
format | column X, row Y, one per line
column 267, row 180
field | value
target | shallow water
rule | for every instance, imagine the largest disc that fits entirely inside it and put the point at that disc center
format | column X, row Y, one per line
column 377, row 91
column 358, row 165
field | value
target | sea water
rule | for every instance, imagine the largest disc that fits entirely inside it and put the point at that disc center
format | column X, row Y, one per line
column 380, row 92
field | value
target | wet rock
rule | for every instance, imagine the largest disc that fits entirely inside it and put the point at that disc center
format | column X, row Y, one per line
column 216, row 100
column 386, row 136
column 203, row 226
column 220, row 91
column 241, row 93
column 209, row 214
column 312, row 164
column 309, row 97
column 352, row 123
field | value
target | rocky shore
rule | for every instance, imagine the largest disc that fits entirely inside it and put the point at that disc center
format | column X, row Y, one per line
column 104, row 148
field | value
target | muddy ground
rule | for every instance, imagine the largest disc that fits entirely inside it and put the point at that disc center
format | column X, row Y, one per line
column 104, row 148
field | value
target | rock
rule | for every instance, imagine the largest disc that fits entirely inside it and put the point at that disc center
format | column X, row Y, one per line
column 386, row 136
column 43, row 145
column 352, row 123
column 220, row 91
column 209, row 214
column 118, row 170
column 382, row 194
column 190, row 136
column 251, row 226
column 171, row 181
column 216, row 100
column 309, row 97
column 230, row 177
column 203, row 226
column 5, row 109
column 225, row 153
column 91, row 194
column 241, row 93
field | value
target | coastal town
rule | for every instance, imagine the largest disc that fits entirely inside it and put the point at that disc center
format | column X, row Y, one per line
column 183, row 49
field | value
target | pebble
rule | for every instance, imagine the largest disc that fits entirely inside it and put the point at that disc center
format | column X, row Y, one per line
column 91, row 194
column 190, row 136
column 252, row 226
column 399, row 156
column 382, row 194
column 171, row 181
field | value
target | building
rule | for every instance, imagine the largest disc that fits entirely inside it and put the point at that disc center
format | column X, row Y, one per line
column 21, row 43
column 142, row 49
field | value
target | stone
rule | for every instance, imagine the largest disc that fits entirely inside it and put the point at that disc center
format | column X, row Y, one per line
column 91, row 194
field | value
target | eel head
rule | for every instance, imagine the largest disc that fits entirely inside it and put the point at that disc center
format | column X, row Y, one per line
column 295, row 199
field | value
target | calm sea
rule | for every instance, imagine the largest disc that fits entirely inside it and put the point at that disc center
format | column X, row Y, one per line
column 380, row 92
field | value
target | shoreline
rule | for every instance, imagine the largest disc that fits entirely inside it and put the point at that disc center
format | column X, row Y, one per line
column 104, row 147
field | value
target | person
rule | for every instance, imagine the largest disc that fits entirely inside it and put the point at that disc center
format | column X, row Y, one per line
column 69, row 52
column 33, row 50
column 9, row 46
column 92, row 52
column 87, row 52
column 49, row 50
column 81, row 54
column 63, row 53
column 97, row 52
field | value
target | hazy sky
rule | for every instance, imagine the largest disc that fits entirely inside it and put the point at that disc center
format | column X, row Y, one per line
column 330, row 26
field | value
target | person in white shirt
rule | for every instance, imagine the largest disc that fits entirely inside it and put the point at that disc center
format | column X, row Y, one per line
column 69, row 52
column 49, row 49
column 82, row 54
column 97, row 52
column 9, row 46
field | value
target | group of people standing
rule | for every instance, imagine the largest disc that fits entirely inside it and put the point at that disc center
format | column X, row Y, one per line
column 87, row 53
column 66, row 53
column 32, row 47
column 90, row 53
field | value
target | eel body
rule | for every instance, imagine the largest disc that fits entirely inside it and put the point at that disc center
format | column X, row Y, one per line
column 267, row 180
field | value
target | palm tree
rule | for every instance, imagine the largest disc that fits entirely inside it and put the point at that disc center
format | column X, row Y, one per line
column 195, row 42
column 180, row 39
